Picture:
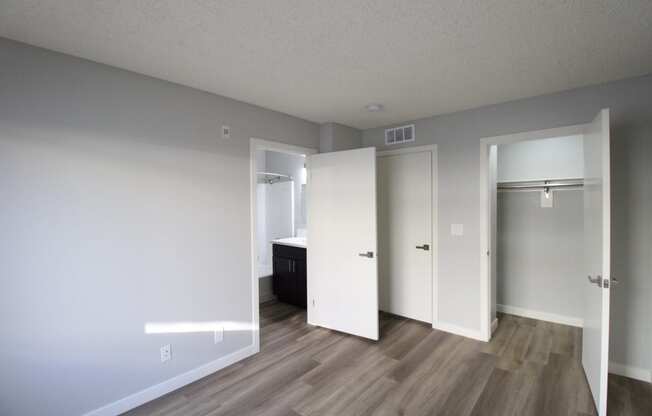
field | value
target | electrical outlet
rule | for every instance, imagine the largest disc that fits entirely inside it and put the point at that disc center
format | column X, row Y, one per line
column 226, row 132
column 218, row 335
column 166, row 353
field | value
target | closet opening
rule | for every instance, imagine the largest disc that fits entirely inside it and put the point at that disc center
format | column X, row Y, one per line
column 537, row 231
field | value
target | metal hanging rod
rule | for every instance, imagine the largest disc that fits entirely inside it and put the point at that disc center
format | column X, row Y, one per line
column 543, row 184
column 272, row 178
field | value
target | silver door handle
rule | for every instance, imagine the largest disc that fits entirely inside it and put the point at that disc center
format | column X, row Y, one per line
column 595, row 280
column 369, row 254
column 425, row 247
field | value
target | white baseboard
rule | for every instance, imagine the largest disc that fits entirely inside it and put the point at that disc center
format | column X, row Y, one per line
column 494, row 325
column 167, row 386
column 459, row 330
column 542, row 316
column 636, row 373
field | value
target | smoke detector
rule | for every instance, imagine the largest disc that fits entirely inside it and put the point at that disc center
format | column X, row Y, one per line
column 374, row 107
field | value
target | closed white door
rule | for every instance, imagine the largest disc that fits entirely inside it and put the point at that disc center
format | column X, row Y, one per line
column 405, row 234
column 341, row 251
column 597, row 260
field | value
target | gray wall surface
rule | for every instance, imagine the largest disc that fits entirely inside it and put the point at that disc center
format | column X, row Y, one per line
column 555, row 158
column 539, row 252
column 334, row 137
column 457, row 136
column 120, row 206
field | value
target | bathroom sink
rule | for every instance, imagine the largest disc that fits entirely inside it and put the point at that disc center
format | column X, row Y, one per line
column 291, row 241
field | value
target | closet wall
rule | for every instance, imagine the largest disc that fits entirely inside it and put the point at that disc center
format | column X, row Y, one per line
column 539, row 250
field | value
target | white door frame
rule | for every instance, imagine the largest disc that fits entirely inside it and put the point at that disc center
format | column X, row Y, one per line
column 485, row 209
column 254, row 146
column 432, row 148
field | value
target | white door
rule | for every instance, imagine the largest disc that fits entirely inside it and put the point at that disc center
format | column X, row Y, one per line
column 595, row 338
column 341, row 252
column 405, row 234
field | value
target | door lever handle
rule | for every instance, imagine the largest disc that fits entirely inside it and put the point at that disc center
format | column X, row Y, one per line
column 369, row 254
column 425, row 247
column 595, row 280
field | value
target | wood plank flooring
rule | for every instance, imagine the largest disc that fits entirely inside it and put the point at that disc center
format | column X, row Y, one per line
column 529, row 368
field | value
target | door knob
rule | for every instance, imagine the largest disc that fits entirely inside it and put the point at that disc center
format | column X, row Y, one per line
column 369, row 254
column 425, row 247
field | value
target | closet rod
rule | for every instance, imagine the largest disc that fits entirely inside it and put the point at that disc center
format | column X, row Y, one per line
column 551, row 184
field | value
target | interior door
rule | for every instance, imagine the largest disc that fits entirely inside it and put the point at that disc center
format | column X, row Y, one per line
column 595, row 339
column 342, row 263
column 405, row 234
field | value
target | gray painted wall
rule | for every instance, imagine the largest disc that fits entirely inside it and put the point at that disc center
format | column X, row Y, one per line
column 457, row 136
column 334, row 137
column 539, row 252
column 555, row 158
column 120, row 206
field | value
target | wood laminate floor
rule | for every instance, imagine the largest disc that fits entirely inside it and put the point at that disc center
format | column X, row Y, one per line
column 529, row 368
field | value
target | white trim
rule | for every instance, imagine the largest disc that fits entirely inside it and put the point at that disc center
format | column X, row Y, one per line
column 637, row 373
column 434, row 222
column 541, row 316
column 174, row 383
column 485, row 208
column 459, row 330
column 255, row 145
column 406, row 150
column 494, row 325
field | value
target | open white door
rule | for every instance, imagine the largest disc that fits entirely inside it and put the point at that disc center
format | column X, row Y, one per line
column 597, row 260
column 342, row 264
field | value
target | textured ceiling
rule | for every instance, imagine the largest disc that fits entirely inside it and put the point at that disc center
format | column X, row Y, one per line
column 324, row 60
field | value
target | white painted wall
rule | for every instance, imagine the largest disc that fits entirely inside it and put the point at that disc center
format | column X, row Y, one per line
column 120, row 206
column 554, row 158
column 458, row 138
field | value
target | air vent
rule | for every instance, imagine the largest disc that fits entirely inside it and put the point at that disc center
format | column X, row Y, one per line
column 398, row 135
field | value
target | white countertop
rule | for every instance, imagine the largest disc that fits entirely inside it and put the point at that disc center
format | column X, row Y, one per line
column 291, row 241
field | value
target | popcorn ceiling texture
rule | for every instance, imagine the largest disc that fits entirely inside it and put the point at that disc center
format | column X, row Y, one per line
column 325, row 60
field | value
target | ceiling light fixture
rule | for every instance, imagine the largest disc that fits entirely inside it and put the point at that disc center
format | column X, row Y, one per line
column 374, row 107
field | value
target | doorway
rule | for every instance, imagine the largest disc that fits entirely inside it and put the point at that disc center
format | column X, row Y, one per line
column 278, row 220
column 407, row 219
column 595, row 261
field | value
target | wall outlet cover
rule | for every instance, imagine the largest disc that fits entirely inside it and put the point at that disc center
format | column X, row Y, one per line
column 457, row 229
column 166, row 353
column 226, row 132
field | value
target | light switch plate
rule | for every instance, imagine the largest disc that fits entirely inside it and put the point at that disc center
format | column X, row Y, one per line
column 457, row 229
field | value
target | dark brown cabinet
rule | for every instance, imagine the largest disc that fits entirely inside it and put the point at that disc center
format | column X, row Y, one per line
column 289, row 280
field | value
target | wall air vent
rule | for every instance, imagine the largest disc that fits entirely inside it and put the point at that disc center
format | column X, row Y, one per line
column 398, row 135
